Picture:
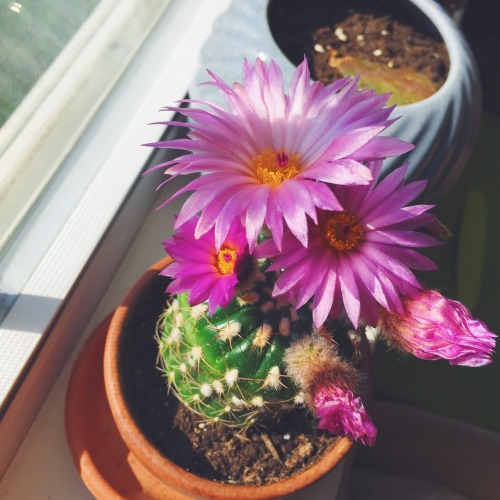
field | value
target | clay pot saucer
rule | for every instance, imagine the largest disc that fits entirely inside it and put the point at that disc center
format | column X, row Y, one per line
column 104, row 462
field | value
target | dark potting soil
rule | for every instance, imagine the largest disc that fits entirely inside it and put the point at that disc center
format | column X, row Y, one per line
column 256, row 456
column 382, row 32
column 381, row 40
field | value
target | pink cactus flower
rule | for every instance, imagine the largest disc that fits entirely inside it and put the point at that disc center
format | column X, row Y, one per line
column 359, row 258
column 198, row 267
column 262, row 159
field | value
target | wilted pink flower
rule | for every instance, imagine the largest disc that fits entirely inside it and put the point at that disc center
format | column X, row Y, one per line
column 262, row 158
column 342, row 413
column 435, row 327
column 202, row 270
column 327, row 382
column 358, row 258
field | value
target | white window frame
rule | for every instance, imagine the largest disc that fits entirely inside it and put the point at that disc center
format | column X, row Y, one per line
column 95, row 216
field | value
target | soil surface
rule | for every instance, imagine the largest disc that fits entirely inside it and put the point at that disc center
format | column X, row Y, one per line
column 216, row 452
column 379, row 39
column 384, row 33
column 256, row 456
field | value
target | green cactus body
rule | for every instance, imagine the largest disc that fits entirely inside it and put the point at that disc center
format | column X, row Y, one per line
column 228, row 367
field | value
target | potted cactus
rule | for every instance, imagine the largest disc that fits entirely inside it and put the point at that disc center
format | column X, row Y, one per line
column 221, row 397
column 289, row 247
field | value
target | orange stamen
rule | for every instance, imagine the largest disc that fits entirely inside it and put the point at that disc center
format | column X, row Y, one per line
column 226, row 260
column 341, row 230
column 274, row 167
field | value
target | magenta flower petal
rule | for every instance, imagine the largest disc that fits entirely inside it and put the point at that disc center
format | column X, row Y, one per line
column 321, row 195
column 392, row 145
column 344, row 171
column 268, row 146
column 340, row 412
column 435, row 327
column 316, row 279
column 226, row 218
column 222, row 291
column 368, row 279
column 350, row 292
column 351, row 141
column 324, row 296
column 406, row 213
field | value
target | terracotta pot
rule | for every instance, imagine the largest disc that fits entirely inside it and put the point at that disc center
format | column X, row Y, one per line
column 322, row 480
column 443, row 127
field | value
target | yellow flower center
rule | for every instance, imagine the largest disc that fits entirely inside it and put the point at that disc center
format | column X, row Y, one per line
column 341, row 230
column 226, row 260
column 273, row 167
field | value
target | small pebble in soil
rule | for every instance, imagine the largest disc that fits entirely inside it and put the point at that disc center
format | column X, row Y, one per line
column 377, row 52
column 339, row 33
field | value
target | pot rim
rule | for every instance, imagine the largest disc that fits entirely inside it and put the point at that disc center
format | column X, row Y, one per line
column 163, row 468
column 462, row 63
column 460, row 56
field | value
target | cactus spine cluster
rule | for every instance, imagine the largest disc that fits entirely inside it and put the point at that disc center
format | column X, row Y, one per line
column 229, row 367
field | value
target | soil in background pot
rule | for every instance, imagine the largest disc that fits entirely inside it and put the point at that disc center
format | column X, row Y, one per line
column 384, row 41
column 214, row 452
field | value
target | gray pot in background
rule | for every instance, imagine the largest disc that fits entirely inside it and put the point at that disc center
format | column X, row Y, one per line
column 443, row 127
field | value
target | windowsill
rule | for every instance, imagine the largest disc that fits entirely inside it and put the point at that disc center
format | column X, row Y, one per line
column 57, row 476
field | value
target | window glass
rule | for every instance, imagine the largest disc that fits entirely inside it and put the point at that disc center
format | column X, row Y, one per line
column 32, row 33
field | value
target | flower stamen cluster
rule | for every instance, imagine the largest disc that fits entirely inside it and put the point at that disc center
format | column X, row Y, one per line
column 273, row 168
column 341, row 230
column 226, row 260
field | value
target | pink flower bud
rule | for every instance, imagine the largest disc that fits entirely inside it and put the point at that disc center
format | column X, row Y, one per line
column 340, row 412
column 435, row 327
